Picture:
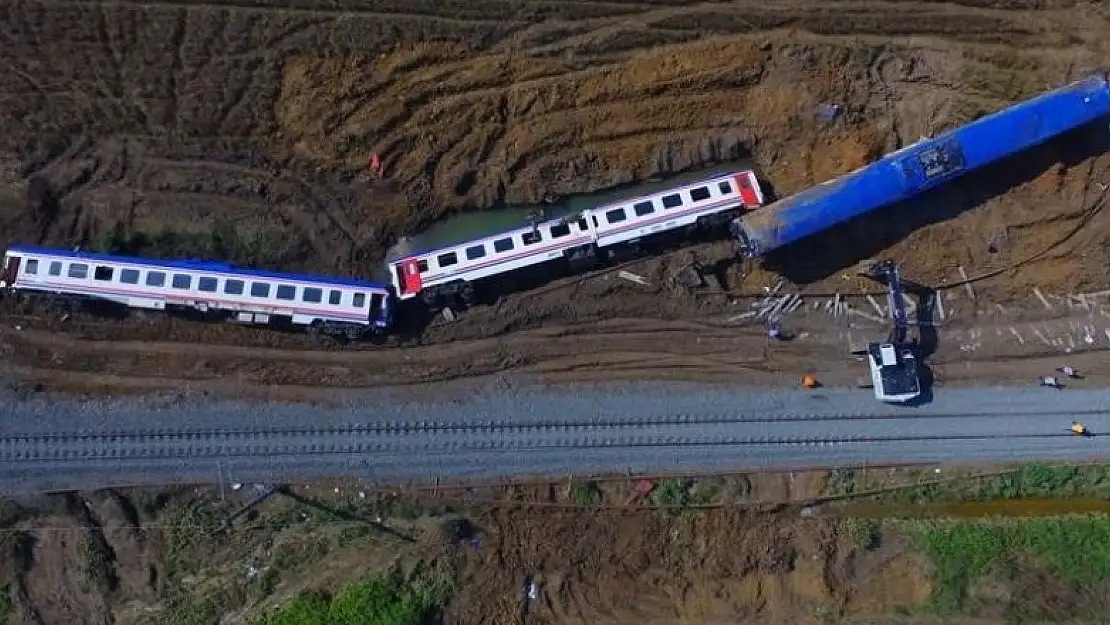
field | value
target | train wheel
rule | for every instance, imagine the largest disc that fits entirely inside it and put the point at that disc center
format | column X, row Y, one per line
column 468, row 297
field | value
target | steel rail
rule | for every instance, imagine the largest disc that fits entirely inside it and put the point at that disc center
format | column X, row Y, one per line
column 509, row 426
column 216, row 444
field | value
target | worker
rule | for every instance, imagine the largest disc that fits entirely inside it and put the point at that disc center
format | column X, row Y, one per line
column 1051, row 382
column 1068, row 371
column 1078, row 428
column 775, row 332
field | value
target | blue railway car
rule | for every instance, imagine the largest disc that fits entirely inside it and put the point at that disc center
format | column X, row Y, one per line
column 924, row 165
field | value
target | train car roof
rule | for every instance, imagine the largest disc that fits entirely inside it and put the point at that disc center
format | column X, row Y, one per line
column 525, row 224
column 195, row 265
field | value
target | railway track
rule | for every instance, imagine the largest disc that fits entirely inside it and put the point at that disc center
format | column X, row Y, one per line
column 422, row 437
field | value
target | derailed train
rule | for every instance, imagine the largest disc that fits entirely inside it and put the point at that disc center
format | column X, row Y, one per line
column 924, row 165
column 353, row 308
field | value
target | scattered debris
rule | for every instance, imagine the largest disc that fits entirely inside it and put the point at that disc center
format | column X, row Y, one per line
column 874, row 304
column 448, row 314
column 967, row 282
column 827, row 112
column 939, row 303
column 631, row 277
column 1040, row 296
column 691, row 276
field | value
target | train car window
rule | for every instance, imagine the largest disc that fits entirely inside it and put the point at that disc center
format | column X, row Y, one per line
column 335, row 297
column 699, row 194
column 55, row 268
column 129, row 276
column 233, row 287
column 32, row 266
column 102, row 273
column 208, row 285
column 615, row 216
column 181, row 281
column 312, row 295
column 78, row 270
column 422, row 265
column 643, row 208
column 560, row 230
column 672, row 201
column 448, row 259
column 359, row 300
column 260, row 289
column 286, row 292
column 475, row 252
column 531, row 237
column 155, row 278
column 503, row 245
column 376, row 305
column 725, row 187
column 583, row 225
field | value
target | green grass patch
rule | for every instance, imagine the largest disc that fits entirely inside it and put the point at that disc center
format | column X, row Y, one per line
column 1075, row 549
column 864, row 533
column 6, row 607
column 386, row 600
column 1026, row 482
column 585, row 494
column 671, row 492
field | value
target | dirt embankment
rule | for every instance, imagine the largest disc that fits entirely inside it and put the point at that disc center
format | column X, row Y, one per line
column 131, row 558
column 242, row 131
column 756, row 547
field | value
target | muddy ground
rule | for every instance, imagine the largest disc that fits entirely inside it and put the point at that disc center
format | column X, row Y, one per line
column 140, row 557
column 789, row 547
column 242, row 132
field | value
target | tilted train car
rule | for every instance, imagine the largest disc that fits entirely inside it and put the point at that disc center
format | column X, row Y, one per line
column 923, row 165
column 333, row 306
column 452, row 271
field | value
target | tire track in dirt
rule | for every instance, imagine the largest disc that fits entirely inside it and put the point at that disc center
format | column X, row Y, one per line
column 566, row 104
column 246, row 7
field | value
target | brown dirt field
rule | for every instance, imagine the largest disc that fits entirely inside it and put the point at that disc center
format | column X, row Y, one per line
column 240, row 131
column 131, row 557
column 742, row 550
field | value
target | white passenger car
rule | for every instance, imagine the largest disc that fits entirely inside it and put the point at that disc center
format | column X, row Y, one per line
column 330, row 305
column 452, row 270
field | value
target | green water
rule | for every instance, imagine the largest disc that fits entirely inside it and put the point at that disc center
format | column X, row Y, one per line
column 467, row 226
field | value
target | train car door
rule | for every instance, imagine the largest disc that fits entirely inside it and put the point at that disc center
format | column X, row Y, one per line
column 11, row 271
column 411, row 281
column 748, row 192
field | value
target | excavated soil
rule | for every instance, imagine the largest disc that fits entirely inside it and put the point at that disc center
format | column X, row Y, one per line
column 120, row 557
column 242, row 131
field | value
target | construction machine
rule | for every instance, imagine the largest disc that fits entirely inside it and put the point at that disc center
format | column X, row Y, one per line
column 895, row 374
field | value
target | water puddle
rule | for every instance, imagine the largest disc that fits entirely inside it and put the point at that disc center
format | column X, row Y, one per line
column 471, row 225
column 967, row 509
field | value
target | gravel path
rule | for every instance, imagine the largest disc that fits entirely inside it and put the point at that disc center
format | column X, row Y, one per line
column 523, row 430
